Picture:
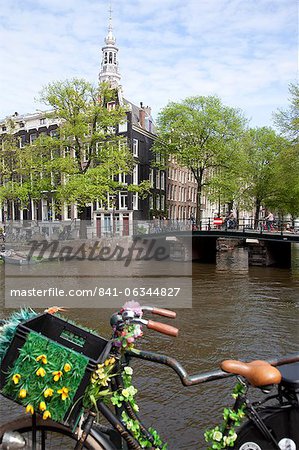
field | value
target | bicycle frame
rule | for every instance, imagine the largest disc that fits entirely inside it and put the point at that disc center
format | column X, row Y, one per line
column 187, row 380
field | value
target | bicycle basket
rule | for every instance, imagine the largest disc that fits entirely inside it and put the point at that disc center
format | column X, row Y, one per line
column 48, row 365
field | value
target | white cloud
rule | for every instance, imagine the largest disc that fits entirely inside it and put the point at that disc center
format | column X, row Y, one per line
column 245, row 52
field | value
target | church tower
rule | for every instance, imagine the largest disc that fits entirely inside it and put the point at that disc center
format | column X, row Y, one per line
column 109, row 67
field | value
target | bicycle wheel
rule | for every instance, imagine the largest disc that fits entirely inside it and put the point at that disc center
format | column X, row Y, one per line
column 49, row 436
column 283, row 424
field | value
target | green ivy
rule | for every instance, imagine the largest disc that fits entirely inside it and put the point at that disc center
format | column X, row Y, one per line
column 224, row 435
column 127, row 394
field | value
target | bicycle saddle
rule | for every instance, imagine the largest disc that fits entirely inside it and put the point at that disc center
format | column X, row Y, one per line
column 258, row 373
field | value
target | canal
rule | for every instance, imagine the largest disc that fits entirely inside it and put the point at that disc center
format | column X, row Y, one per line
column 238, row 312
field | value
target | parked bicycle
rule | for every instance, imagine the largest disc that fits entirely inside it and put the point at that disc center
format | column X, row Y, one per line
column 110, row 420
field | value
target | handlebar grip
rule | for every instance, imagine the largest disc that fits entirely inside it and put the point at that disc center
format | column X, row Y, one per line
column 162, row 328
column 164, row 312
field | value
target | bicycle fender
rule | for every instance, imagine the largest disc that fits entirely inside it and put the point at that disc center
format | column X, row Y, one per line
column 103, row 440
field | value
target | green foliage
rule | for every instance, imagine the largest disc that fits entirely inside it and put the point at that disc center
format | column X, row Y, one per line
column 202, row 134
column 79, row 165
column 288, row 120
column 127, row 394
column 264, row 152
column 224, row 435
column 99, row 386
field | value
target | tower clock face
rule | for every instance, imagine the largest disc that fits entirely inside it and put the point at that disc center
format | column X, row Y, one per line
column 250, row 446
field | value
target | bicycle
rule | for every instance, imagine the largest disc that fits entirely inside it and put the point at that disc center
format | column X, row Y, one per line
column 271, row 423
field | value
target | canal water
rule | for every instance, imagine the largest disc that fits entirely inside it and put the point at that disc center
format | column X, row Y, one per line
column 238, row 312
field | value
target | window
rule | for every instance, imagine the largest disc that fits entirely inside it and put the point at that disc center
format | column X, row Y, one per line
column 110, row 201
column 123, row 200
column 32, row 137
column 151, row 177
column 123, row 127
column 162, row 180
column 4, row 128
column 158, row 202
column 151, row 202
column 85, row 152
column 122, row 145
column 54, row 133
column 158, row 180
column 42, row 121
column 105, row 58
column 162, row 202
column 135, row 174
column 135, row 201
column 111, row 106
column 22, row 141
column 111, row 130
column 122, row 178
column 110, row 57
column 114, row 59
column 135, row 147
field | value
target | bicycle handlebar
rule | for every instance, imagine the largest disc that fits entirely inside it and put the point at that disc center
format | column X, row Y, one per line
column 160, row 311
column 162, row 328
column 190, row 380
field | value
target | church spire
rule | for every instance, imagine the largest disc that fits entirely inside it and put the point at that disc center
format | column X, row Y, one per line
column 109, row 66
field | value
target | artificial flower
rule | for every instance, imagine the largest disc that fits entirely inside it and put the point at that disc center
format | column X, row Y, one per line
column 229, row 440
column 42, row 406
column 67, row 367
column 64, row 393
column 48, row 392
column 46, row 415
column 23, row 393
column 217, row 436
column 57, row 375
column 40, row 372
column 29, row 409
column 42, row 358
column 16, row 378
column 128, row 370
column 109, row 361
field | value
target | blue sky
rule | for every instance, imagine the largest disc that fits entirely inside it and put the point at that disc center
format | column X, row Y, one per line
column 244, row 51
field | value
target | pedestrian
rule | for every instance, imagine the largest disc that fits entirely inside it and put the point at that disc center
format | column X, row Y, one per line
column 231, row 220
column 269, row 221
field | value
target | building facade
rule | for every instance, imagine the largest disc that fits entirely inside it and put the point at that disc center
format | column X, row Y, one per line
column 118, row 214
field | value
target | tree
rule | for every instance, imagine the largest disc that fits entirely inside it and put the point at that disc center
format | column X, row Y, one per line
column 286, row 200
column 287, row 121
column 91, row 153
column 202, row 134
column 263, row 150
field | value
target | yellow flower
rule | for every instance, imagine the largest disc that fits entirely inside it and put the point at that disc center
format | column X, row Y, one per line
column 22, row 393
column 46, row 415
column 29, row 409
column 48, row 392
column 42, row 406
column 40, row 372
column 109, row 361
column 64, row 393
column 16, row 378
column 57, row 375
column 42, row 358
column 67, row 367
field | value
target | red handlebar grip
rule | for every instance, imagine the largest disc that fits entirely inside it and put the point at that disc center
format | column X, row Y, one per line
column 164, row 312
column 162, row 328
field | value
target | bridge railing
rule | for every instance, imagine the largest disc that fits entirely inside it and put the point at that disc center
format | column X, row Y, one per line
column 213, row 224
column 247, row 224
